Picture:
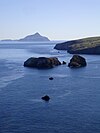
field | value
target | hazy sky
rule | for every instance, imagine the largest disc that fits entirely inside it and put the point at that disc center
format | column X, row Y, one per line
column 56, row 19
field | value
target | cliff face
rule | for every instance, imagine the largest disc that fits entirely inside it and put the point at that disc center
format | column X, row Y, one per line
column 61, row 46
column 81, row 46
column 94, row 50
column 64, row 45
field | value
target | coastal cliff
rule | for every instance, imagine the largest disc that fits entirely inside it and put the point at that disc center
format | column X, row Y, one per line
column 82, row 46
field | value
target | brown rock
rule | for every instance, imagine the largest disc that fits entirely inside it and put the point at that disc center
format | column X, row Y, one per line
column 77, row 61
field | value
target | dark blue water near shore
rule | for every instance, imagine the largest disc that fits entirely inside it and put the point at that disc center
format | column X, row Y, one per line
column 74, row 106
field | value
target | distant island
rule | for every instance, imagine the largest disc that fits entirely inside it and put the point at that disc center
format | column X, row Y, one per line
column 89, row 45
column 31, row 38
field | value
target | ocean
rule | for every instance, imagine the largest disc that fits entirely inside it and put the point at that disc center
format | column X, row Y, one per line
column 74, row 105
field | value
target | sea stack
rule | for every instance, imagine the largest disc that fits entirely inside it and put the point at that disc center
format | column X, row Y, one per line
column 42, row 62
column 77, row 61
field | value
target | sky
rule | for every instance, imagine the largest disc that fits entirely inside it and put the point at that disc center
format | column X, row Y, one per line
column 56, row 19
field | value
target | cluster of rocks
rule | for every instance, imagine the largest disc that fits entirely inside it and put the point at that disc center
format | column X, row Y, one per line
column 43, row 63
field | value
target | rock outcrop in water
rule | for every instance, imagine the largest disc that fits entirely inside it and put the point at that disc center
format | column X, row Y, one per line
column 81, row 46
column 77, row 61
column 51, row 78
column 42, row 62
column 46, row 98
column 63, row 62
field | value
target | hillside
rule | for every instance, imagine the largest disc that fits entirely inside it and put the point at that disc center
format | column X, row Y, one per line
column 31, row 38
column 34, row 37
column 82, row 46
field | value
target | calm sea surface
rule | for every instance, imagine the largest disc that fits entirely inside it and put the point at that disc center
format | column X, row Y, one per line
column 74, row 106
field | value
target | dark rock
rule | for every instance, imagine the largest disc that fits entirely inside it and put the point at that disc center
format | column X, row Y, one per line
column 77, row 61
column 60, row 46
column 92, row 51
column 64, row 45
column 51, row 78
column 63, row 62
column 42, row 62
column 46, row 98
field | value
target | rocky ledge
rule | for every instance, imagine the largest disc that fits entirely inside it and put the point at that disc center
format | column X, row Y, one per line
column 77, row 61
column 42, row 62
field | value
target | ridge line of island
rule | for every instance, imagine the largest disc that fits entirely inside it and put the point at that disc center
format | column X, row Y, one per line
column 30, row 38
column 90, row 45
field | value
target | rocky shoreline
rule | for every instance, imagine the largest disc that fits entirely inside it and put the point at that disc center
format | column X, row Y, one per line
column 47, row 63
column 81, row 46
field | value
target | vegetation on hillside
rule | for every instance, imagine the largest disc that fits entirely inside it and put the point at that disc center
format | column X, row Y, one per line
column 85, row 43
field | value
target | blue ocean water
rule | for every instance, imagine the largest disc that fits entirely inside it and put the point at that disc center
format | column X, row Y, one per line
column 74, row 106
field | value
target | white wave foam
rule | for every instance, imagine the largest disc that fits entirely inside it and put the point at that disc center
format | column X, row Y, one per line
column 5, row 80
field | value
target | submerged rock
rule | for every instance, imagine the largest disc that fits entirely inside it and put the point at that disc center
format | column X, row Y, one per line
column 46, row 98
column 42, row 62
column 51, row 78
column 63, row 62
column 77, row 61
